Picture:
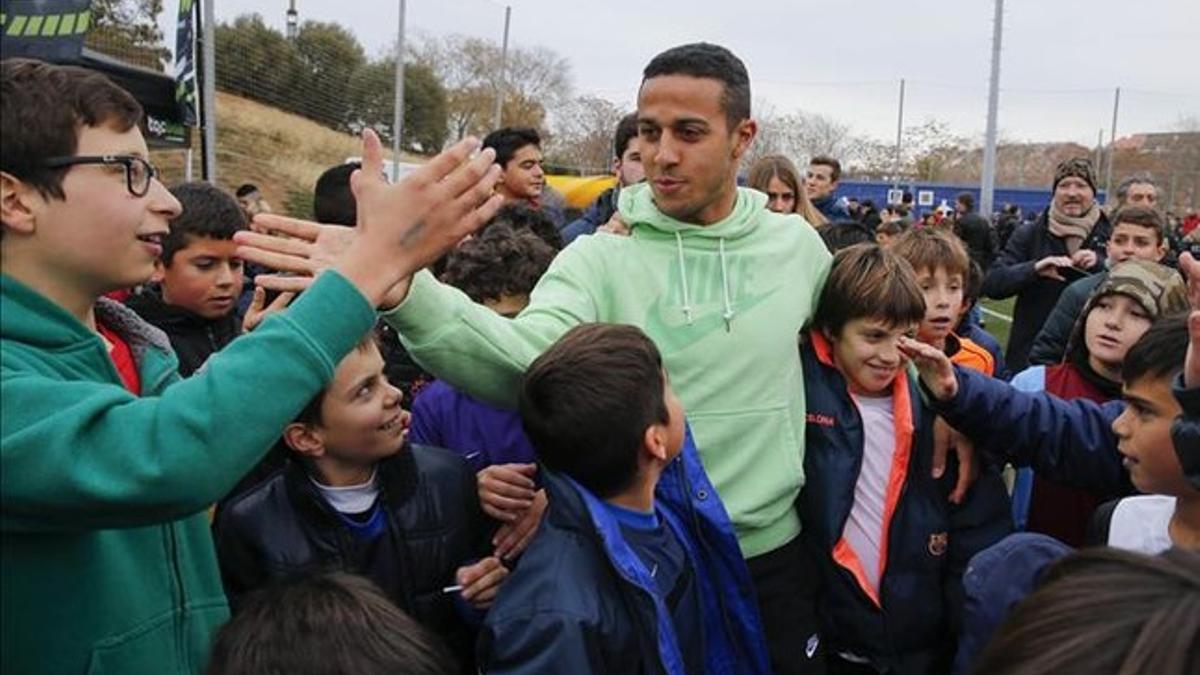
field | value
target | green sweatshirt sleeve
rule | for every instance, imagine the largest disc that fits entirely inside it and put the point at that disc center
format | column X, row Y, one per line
column 90, row 455
column 482, row 353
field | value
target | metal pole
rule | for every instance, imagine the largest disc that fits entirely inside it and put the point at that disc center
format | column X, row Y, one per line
column 1099, row 161
column 988, row 185
column 206, row 35
column 496, row 113
column 1112, row 148
column 187, row 166
column 398, row 114
column 899, row 135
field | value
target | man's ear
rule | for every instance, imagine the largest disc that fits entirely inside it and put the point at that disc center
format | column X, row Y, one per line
column 616, row 166
column 305, row 440
column 744, row 135
column 18, row 204
column 654, row 441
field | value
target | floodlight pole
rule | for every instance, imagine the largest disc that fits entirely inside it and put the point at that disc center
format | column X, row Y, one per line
column 398, row 115
column 988, row 184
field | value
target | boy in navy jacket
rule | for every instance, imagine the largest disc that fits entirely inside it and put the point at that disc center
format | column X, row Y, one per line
column 635, row 568
column 890, row 545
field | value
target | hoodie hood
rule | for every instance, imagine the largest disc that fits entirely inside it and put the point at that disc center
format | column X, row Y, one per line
column 637, row 207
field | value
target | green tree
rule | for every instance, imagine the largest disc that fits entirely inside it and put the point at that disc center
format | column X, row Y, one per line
column 128, row 30
column 374, row 103
column 330, row 57
column 258, row 62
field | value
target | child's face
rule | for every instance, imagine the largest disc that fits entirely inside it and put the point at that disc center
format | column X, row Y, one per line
column 1114, row 324
column 361, row 418
column 867, row 353
column 1130, row 241
column 204, row 277
column 1144, row 430
column 100, row 237
column 943, row 302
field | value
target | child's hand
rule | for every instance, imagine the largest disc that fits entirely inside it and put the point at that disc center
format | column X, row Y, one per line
column 934, row 367
column 506, row 490
column 480, row 582
column 946, row 439
column 513, row 538
column 1191, row 368
column 256, row 312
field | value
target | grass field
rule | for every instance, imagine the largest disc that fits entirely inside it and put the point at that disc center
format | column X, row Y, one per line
column 995, row 325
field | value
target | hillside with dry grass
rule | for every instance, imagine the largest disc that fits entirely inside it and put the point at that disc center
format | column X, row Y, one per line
column 280, row 152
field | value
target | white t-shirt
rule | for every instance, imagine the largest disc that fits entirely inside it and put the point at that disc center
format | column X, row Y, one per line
column 351, row 498
column 864, row 527
column 1142, row 524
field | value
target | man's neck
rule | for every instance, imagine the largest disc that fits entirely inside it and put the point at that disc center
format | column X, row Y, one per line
column 1185, row 522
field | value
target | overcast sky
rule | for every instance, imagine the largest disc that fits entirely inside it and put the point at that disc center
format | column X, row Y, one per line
column 1061, row 59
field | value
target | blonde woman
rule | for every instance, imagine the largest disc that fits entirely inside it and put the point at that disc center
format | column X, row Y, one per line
column 777, row 177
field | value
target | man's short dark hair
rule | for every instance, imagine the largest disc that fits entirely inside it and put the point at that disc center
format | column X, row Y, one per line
column 587, row 401
column 627, row 130
column 208, row 212
column 520, row 216
column 333, row 201
column 835, row 166
column 1160, row 352
column 507, row 141
column 967, row 200
column 501, row 261
column 709, row 61
column 246, row 189
column 327, row 623
column 42, row 109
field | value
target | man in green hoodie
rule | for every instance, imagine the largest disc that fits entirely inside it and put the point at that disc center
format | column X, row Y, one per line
column 721, row 284
column 108, row 461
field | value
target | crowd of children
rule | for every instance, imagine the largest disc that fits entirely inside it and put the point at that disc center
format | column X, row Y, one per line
column 705, row 447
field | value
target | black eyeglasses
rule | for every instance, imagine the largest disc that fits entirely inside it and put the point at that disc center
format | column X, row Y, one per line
column 138, row 172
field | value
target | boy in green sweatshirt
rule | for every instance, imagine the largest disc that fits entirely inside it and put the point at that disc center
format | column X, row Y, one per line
column 107, row 460
column 721, row 284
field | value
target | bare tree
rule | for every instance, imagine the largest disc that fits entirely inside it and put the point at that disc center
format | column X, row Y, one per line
column 583, row 135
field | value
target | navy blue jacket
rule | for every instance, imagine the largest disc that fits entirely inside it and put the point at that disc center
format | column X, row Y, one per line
column 581, row 601
column 1070, row 442
column 596, row 215
column 909, row 627
column 833, row 208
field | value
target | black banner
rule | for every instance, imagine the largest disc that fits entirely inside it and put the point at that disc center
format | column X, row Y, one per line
column 185, row 62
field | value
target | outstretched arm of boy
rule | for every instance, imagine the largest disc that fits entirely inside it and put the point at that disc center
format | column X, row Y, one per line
column 1068, row 441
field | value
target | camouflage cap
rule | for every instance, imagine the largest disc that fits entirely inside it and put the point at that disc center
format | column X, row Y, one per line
column 1080, row 167
column 1157, row 288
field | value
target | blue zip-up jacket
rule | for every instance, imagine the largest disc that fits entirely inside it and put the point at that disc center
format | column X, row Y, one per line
column 909, row 625
column 581, row 601
column 1070, row 442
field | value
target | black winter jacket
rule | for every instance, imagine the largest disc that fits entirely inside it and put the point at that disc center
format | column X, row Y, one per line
column 1013, row 274
column 976, row 233
column 193, row 338
column 285, row 528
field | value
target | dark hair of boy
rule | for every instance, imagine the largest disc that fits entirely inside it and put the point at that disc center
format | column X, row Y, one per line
column 507, row 141
column 328, row 623
column 967, row 200
column 1105, row 610
column 973, row 286
column 844, row 234
column 208, row 212
column 333, row 201
column 869, row 281
column 834, row 165
column 1145, row 216
column 928, row 249
column 36, row 125
column 587, row 401
column 246, row 189
column 501, row 261
column 1160, row 352
column 708, row 61
column 893, row 228
column 520, row 217
column 627, row 130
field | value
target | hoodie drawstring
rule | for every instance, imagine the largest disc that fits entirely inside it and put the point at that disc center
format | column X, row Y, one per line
column 729, row 312
column 687, row 300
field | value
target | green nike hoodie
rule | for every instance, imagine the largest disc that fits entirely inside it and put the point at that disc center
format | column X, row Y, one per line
column 108, row 564
column 724, row 303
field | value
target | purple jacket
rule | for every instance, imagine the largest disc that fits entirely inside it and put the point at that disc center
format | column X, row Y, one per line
column 445, row 417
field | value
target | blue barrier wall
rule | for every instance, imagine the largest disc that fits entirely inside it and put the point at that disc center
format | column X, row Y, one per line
column 1028, row 199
